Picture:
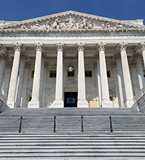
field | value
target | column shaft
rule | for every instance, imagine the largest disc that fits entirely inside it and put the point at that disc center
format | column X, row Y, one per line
column 120, row 81
column 35, row 101
column 126, row 76
column 20, row 82
column 140, row 73
column 2, row 69
column 25, row 84
column 59, row 102
column 82, row 103
column 104, row 81
column 142, row 48
column 99, row 84
column 14, row 76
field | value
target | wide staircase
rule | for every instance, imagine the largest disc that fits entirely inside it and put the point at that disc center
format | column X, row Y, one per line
column 72, row 133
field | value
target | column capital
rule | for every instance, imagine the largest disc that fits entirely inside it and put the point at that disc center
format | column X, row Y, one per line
column 113, row 64
column 96, row 56
column 132, row 64
column 44, row 56
column 117, row 56
column 3, row 48
column 46, row 65
column 80, row 46
column 4, row 57
column 24, row 56
column 18, row 46
column 101, row 46
column 28, row 65
column 39, row 47
column 122, row 46
column 60, row 46
column 142, row 46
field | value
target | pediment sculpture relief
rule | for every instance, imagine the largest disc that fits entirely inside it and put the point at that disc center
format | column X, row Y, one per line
column 70, row 23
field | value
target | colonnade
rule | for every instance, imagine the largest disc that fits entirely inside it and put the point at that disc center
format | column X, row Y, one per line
column 103, row 89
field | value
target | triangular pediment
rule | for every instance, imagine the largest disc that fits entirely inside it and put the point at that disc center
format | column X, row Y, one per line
column 72, row 21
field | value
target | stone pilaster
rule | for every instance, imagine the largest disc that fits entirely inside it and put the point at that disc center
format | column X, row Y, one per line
column 35, row 103
column 14, row 76
column 59, row 102
column 82, row 102
column 126, row 75
column 104, row 81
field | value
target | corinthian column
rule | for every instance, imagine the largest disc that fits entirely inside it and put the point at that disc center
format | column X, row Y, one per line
column 104, row 81
column 140, row 72
column 99, row 83
column 142, row 47
column 14, row 75
column 126, row 75
column 120, row 80
column 20, row 81
column 35, row 103
column 2, row 69
column 82, row 103
column 59, row 103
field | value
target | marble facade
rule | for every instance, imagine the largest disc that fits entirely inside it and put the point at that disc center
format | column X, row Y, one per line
column 112, row 51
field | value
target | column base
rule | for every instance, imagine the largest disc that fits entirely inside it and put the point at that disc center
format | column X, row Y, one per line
column 107, row 104
column 34, row 104
column 129, row 103
column 57, row 104
column 82, row 104
column 11, row 103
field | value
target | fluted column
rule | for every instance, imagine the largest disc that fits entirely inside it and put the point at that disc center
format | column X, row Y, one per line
column 14, row 76
column 24, row 102
column 99, row 83
column 140, row 72
column 35, row 103
column 126, row 75
column 82, row 102
column 142, row 47
column 2, row 69
column 20, row 81
column 134, row 76
column 104, row 81
column 59, row 102
column 120, row 79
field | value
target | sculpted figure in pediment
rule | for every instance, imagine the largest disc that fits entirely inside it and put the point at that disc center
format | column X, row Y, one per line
column 69, row 23
column 56, row 23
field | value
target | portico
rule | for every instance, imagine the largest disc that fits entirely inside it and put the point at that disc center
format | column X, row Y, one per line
column 38, row 69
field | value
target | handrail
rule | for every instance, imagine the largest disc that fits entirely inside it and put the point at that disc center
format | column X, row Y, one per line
column 85, row 122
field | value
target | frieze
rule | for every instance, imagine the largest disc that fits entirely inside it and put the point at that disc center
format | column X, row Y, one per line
column 71, row 22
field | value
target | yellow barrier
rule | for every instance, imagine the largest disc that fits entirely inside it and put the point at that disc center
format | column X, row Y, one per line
column 93, row 104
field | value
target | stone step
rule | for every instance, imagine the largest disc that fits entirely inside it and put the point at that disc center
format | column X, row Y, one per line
column 75, row 154
column 66, row 150
column 75, row 144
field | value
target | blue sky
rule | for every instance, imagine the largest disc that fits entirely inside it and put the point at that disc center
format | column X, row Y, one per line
column 16, row 10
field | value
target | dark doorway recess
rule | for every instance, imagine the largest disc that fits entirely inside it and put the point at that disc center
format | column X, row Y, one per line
column 70, row 99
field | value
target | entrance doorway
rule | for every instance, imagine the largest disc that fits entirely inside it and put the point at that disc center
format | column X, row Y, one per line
column 70, row 99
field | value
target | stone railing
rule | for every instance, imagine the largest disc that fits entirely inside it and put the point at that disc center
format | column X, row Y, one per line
column 139, row 101
column 3, row 105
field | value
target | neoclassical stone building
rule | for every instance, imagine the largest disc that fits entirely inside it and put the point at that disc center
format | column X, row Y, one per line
column 70, row 58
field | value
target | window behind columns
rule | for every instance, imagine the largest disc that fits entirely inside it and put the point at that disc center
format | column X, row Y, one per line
column 88, row 73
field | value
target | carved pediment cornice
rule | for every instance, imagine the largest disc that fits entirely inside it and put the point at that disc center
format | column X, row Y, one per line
column 71, row 21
